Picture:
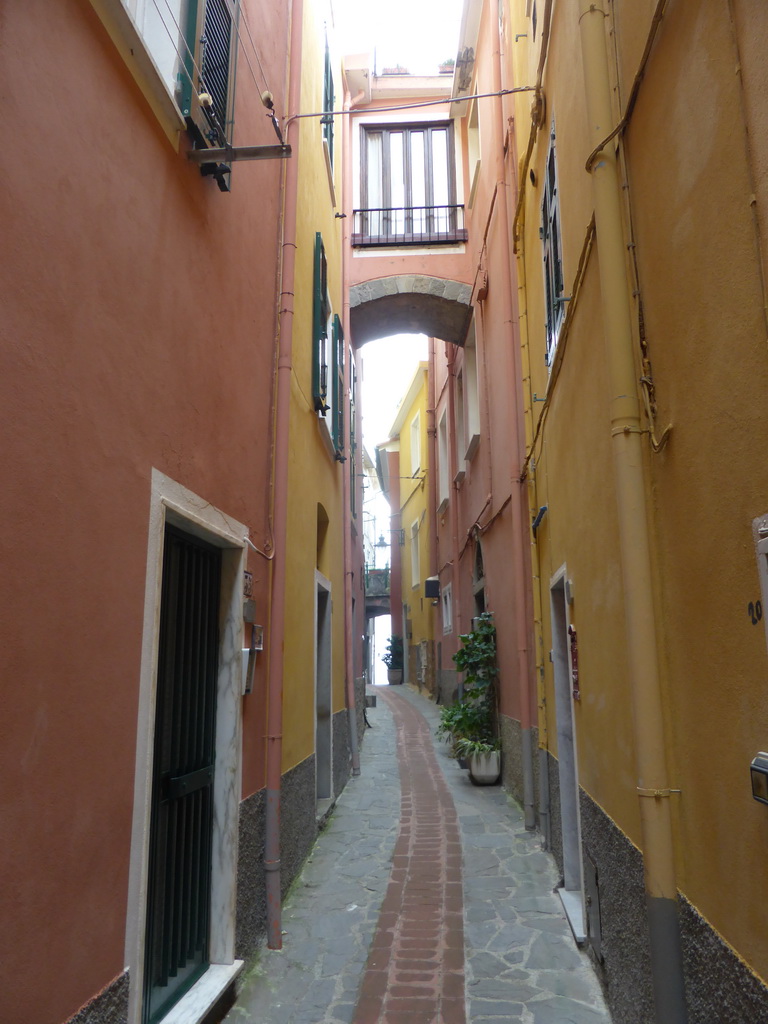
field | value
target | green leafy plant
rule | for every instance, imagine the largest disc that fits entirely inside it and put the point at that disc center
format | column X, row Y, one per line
column 469, row 748
column 393, row 657
column 471, row 722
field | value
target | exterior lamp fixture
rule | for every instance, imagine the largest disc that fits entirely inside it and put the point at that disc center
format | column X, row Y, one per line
column 539, row 516
column 381, row 543
column 759, row 772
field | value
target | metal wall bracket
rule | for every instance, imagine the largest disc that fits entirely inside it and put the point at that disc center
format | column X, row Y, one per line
column 226, row 154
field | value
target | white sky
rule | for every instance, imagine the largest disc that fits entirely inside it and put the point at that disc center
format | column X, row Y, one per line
column 388, row 367
column 417, row 34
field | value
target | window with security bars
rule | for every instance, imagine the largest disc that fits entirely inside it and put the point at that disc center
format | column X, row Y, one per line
column 181, row 829
column 321, row 314
column 552, row 253
column 213, row 23
column 191, row 43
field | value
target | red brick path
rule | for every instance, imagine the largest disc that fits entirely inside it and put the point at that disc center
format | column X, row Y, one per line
column 415, row 969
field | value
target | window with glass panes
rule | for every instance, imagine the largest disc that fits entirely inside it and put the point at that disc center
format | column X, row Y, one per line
column 408, row 181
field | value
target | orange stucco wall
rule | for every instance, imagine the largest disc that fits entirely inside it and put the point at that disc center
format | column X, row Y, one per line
column 137, row 332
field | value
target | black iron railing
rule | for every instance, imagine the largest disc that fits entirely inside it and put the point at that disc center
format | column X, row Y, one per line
column 410, row 225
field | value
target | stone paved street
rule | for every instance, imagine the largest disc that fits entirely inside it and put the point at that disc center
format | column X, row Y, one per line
column 375, row 924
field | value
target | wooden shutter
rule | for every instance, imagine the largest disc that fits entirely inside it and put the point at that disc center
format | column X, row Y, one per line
column 320, row 329
column 338, row 385
column 328, row 103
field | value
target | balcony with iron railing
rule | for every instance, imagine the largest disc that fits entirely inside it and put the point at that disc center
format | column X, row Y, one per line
column 376, row 582
column 411, row 225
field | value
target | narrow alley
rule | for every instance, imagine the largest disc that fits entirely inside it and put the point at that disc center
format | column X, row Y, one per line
column 424, row 901
column 353, row 341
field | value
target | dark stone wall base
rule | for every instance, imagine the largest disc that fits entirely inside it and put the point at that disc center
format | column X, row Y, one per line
column 110, row 1006
column 342, row 752
column 718, row 984
column 360, row 710
column 625, row 965
column 251, row 926
column 298, row 823
column 720, row 988
column 512, row 760
column 447, row 686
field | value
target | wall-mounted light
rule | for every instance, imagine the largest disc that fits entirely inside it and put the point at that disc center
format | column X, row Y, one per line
column 539, row 516
column 759, row 772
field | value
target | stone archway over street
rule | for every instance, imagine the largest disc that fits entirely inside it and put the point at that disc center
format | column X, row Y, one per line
column 410, row 304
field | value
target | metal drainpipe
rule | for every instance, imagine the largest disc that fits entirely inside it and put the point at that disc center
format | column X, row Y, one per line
column 431, row 495
column 349, row 624
column 652, row 786
column 280, row 512
column 453, row 508
column 519, row 503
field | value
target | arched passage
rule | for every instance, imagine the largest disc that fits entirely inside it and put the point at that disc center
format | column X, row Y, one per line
column 410, row 304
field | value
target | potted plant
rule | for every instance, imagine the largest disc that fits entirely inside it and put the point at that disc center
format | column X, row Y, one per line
column 484, row 758
column 471, row 722
column 393, row 659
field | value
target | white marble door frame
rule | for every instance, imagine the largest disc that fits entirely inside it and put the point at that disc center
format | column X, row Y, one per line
column 571, row 893
column 173, row 504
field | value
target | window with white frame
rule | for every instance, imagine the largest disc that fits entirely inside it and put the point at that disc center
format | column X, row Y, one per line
column 443, row 463
column 473, row 151
column 415, row 445
column 191, row 46
column 461, row 442
column 415, row 560
column 471, row 409
column 446, row 603
column 552, row 253
column 408, row 186
column 162, row 26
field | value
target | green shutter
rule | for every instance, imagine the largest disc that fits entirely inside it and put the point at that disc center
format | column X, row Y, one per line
column 338, row 385
column 328, row 103
column 320, row 329
column 187, row 70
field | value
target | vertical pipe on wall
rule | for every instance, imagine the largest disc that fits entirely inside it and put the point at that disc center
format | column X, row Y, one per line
column 652, row 784
column 280, row 507
column 519, row 503
column 453, row 507
column 349, row 479
column 431, row 494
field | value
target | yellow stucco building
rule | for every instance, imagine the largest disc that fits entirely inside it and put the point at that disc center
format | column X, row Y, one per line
column 640, row 186
column 408, row 497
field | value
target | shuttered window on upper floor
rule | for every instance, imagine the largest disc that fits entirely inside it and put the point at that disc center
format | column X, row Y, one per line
column 327, row 354
column 552, row 253
column 328, row 104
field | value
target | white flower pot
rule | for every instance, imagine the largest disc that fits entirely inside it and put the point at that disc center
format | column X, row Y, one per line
column 485, row 769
